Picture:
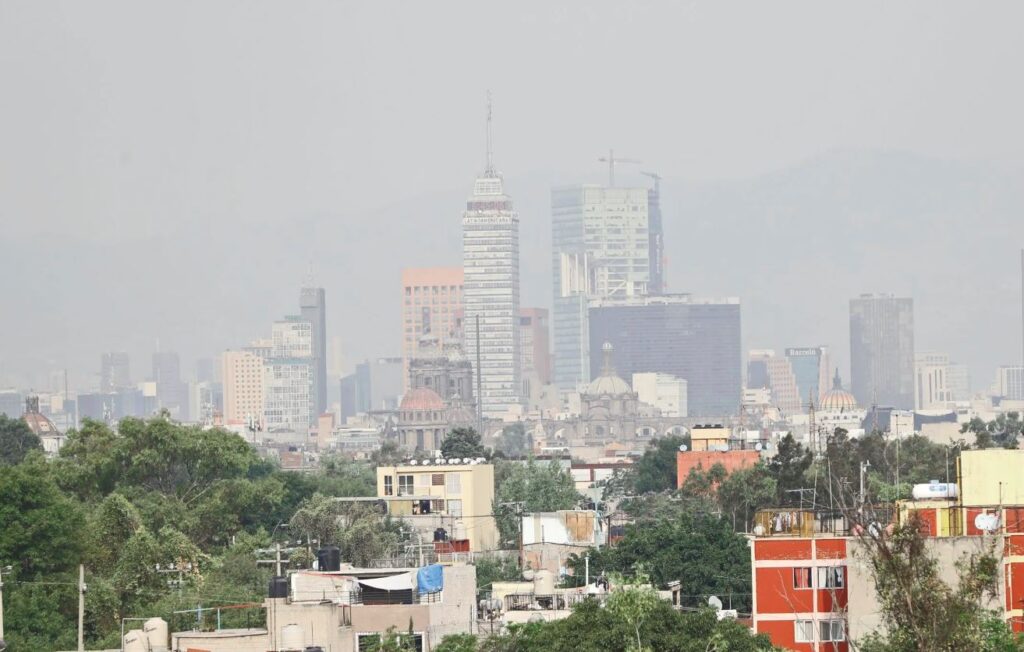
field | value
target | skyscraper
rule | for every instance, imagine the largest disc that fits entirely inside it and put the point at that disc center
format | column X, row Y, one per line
column 171, row 393
column 696, row 340
column 657, row 237
column 114, row 371
column 811, row 368
column 882, row 350
column 431, row 305
column 490, row 262
column 312, row 304
column 288, row 376
column 767, row 370
column 601, row 248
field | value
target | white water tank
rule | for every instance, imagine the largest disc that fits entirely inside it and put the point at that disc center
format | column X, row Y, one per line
column 292, row 639
column 934, row 490
column 459, row 531
column 544, row 582
column 155, row 630
column 135, row 641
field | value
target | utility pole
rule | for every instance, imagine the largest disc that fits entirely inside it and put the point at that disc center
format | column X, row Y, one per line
column 81, row 608
column 2, row 571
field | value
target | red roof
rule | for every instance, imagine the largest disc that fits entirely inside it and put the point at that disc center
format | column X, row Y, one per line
column 421, row 398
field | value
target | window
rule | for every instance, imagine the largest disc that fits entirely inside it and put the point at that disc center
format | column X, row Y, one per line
column 830, row 577
column 832, row 630
column 801, row 576
column 437, row 480
column 423, row 480
column 389, row 486
column 803, row 631
column 455, row 508
column 454, row 483
column 437, row 505
column 405, row 485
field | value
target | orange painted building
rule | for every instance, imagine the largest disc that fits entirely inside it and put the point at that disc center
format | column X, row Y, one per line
column 799, row 585
column 731, row 460
column 805, row 599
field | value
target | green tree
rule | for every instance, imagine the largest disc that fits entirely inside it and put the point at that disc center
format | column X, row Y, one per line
column 16, row 440
column 535, row 487
column 462, row 442
column 745, row 491
column 41, row 527
column 633, row 603
column 457, row 643
column 514, row 441
column 656, row 470
column 495, row 568
column 920, row 610
column 1003, row 432
column 788, row 466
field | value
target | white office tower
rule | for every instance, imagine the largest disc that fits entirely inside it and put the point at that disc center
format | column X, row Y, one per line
column 490, row 260
column 601, row 249
column 288, row 382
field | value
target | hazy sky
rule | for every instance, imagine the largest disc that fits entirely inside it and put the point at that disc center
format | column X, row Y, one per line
column 169, row 170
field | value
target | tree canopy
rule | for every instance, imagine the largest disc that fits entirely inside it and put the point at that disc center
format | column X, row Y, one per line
column 462, row 442
column 16, row 440
column 536, row 487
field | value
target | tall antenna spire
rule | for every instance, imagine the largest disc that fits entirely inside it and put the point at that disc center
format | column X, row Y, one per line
column 489, row 171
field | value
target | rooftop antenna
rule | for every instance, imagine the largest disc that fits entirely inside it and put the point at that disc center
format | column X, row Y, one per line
column 308, row 280
column 490, row 171
column 611, row 161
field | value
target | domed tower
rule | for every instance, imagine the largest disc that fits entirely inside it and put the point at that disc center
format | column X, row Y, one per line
column 608, row 406
column 422, row 420
column 837, row 399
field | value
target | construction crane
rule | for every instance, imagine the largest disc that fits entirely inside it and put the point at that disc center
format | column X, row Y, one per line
column 657, row 180
column 611, row 161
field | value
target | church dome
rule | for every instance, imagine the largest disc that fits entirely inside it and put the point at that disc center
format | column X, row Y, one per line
column 837, row 399
column 421, row 398
column 608, row 383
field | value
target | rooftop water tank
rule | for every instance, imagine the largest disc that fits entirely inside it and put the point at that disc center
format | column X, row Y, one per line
column 135, row 641
column 156, row 631
column 328, row 558
column 935, row 490
column 278, row 587
column 292, row 638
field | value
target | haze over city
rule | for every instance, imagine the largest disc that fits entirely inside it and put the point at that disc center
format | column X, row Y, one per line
column 170, row 173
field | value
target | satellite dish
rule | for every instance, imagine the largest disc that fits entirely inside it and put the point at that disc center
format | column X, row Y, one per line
column 767, row 446
column 715, row 603
column 683, row 448
column 986, row 522
column 466, row 460
column 413, row 462
column 758, row 447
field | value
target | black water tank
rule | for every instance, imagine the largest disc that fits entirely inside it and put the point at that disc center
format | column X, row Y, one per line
column 278, row 587
column 440, row 534
column 328, row 558
column 313, row 648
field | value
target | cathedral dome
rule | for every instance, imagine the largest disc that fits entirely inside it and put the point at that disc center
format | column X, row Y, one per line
column 421, row 398
column 608, row 383
column 837, row 399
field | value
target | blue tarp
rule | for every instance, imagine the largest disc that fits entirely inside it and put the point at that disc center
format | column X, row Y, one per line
column 430, row 579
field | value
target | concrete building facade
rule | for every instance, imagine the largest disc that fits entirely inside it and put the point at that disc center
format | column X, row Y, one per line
column 431, row 306
column 663, row 391
column 243, row 380
column 313, row 309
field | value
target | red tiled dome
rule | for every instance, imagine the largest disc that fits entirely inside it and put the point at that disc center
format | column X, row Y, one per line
column 421, row 398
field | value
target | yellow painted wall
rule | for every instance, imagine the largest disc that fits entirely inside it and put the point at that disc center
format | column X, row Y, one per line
column 992, row 477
